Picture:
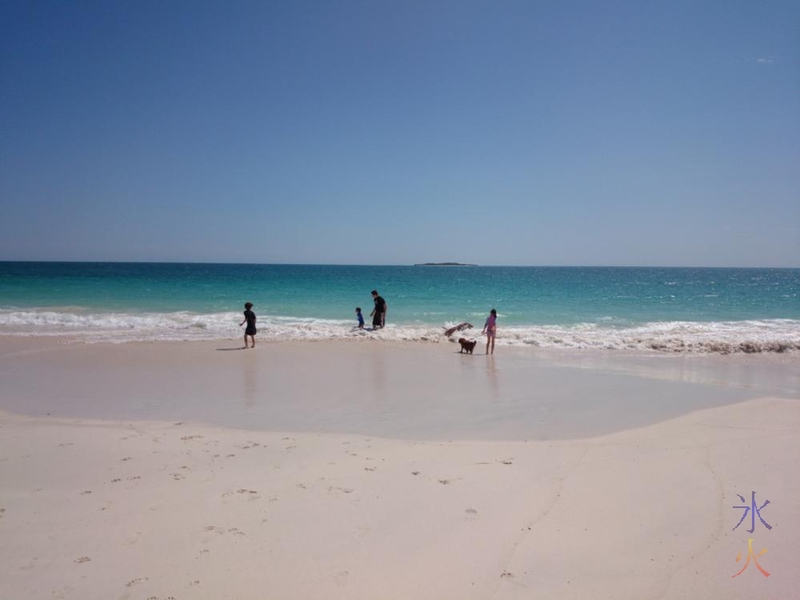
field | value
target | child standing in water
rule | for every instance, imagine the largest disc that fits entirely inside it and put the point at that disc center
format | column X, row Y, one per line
column 250, row 319
column 490, row 329
column 360, row 317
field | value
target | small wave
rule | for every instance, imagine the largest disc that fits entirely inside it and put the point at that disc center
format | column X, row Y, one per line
column 773, row 335
column 776, row 335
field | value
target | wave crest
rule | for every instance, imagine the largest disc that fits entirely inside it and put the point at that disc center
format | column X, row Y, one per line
column 722, row 337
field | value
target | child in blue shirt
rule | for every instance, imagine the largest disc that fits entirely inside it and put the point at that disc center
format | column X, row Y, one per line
column 360, row 317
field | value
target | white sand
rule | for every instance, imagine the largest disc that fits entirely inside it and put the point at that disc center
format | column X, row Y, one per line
column 114, row 496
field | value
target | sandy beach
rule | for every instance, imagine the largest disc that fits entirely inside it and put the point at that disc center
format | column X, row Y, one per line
column 387, row 470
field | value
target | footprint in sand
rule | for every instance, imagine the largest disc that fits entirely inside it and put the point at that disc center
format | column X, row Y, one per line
column 248, row 445
column 362, row 531
column 235, row 531
column 2, row 510
column 134, row 478
column 116, row 480
column 506, row 462
column 86, row 492
column 186, row 438
column 415, row 472
column 82, row 559
column 244, row 491
column 506, row 574
column 127, row 458
column 177, row 476
column 133, row 582
column 444, row 481
column 471, row 511
column 369, row 468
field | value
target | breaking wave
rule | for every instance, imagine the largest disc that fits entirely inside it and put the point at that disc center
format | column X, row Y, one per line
column 753, row 336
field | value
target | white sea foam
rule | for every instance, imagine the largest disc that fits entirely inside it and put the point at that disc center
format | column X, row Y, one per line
column 774, row 335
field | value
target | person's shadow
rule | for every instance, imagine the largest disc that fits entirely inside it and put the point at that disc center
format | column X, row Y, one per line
column 229, row 349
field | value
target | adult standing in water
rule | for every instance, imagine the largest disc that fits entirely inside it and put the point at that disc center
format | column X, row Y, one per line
column 379, row 312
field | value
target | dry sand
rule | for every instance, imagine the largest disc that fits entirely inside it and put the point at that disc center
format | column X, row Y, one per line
column 311, row 471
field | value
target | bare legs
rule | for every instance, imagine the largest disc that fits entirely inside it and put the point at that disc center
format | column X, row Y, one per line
column 252, row 339
column 489, row 342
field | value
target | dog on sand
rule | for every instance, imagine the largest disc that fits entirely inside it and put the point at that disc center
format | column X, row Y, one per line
column 467, row 345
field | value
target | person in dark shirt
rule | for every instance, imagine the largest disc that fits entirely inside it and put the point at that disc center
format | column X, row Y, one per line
column 250, row 319
column 379, row 313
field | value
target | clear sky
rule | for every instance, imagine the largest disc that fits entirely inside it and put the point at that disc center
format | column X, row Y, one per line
column 388, row 132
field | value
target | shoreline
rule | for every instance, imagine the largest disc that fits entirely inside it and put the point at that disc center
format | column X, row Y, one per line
column 405, row 390
column 743, row 336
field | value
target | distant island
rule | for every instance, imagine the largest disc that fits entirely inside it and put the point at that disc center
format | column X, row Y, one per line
column 444, row 264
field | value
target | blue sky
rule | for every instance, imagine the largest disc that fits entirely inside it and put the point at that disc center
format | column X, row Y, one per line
column 513, row 133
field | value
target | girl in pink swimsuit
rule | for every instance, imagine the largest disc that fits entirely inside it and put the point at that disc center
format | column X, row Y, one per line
column 490, row 329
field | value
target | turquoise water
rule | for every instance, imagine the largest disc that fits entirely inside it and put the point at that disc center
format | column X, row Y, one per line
column 536, row 304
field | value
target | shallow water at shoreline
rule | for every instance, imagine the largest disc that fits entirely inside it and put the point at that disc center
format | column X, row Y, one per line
column 407, row 391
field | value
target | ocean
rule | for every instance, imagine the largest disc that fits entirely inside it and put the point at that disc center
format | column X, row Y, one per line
column 652, row 309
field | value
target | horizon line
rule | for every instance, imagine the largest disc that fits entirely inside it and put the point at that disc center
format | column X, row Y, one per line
column 312, row 264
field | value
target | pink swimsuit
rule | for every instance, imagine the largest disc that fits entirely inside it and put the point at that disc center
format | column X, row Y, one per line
column 490, row 326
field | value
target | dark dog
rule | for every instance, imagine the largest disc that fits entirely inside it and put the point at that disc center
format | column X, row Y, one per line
column 467, row 345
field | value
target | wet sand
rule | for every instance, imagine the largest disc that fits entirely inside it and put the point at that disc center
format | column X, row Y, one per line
column 382, row 470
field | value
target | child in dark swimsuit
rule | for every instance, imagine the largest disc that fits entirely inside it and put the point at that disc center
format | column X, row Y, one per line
column 250, row 319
